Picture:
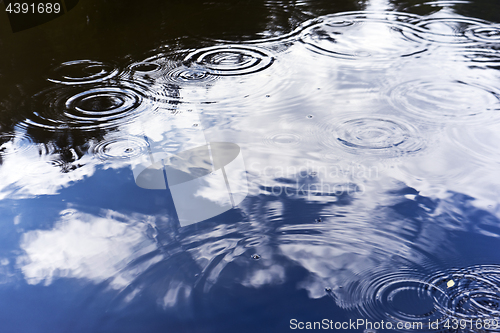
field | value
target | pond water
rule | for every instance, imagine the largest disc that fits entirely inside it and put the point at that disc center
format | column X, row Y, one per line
column 252, row 166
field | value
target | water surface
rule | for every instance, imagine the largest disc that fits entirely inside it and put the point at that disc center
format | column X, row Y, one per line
column 367, row 185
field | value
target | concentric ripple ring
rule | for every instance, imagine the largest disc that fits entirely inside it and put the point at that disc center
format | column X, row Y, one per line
column 86, row 109
column 14, row 143
column 436, row 99
column 458, row 31
column 231, row 59
column 357, row 35
column 99, row 103
column 474, row 294
column 377, row 136
column 283, row 139
column 120, row 148
column 82, row 72
column 485, row 34
column 398, row 297
column 185, row 75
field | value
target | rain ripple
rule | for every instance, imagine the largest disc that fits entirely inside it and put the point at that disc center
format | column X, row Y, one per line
column 283, row 139
column 120, row 148
column 373, row 136
column 14, row 143
column 82, row 72
column 479, row 143
column 145, row 67
column 169, row 68
column 485, row 34
column 359, row 35
column 404, row 296
column 469, row 293
column 85, row 109
column 184, row 75
column 478, row 57
column 458, row 31
column 448, row 297
column 435, row 99
column 231, row 59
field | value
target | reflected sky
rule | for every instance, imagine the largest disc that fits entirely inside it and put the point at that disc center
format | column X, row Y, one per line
column 90, row 247
column 367, row 145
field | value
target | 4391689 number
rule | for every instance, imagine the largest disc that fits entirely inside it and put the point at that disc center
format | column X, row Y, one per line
column 473, row 324
column 40, row 8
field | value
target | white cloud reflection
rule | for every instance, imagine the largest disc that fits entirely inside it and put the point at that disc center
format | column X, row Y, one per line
column 268, row 276
column 26, row 174
column 86, row 246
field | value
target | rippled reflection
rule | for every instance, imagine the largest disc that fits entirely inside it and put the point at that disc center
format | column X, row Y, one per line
column 458, row 31
column 434, row 99
column 365, row 36
column 399, row 297
column 86, row 246
column 86, row 108
column 366, row 186
column 474, row 294
column 15, row 143
column 231, row 59
column 120, row 148
column 82, row 72
column 378, row 136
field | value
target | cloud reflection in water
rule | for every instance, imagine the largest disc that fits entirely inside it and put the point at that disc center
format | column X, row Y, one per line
column 81, row 245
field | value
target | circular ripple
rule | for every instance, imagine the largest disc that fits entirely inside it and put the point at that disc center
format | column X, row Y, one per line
column 120, row 148
column 180, row 74
column 486, row 34
column 231, row 59
column 475, row 292
column 101, row 104
column 439, row 100
column 397, row 297
column 85, row 109
column 478, row 56
column 82, row 72
column 460, row 31
column 376, row 136
column 145, row 67
column 359, row 35
column 149, row 70
column 479, row 142
column 163, row 76
column 185, row 75
column 433, row 6
column 447, row 3
column 14, row 143
column 283, row 139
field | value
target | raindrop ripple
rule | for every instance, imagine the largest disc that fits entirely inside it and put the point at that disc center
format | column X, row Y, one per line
column 374, row 136
column 14, row 143
column 185, row 75
column 120, row 148
column 82, row 72
column 458, row 31
column 283, row 139
column 357, row 36
column 231, row 59
column 404, row 296
column 84, row 108
column 439, row 100
column 474, row 295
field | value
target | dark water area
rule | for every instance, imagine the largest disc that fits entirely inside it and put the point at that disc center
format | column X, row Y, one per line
column 252, row 166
